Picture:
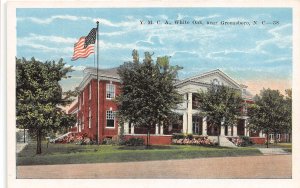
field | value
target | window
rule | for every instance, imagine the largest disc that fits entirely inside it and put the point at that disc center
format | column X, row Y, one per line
column 110, row 91
column 83, row 97
column 79, row 125
column 110, row 118
column 90, row 118
column 82, row 122
column 79, row 99
column 90, row 91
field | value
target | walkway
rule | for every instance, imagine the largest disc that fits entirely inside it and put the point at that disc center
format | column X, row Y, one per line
column 20, row 146
column 276, row 166
column 272, row 151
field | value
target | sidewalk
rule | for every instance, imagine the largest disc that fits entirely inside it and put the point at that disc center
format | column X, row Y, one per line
column 272, row 151
column 20, row 146
column 276, row 166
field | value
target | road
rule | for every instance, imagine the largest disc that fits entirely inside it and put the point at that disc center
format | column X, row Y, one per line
column 271, row 166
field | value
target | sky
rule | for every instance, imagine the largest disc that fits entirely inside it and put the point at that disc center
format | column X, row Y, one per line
column 257, row 55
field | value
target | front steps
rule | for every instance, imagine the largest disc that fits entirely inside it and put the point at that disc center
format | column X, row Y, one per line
column 224, row 142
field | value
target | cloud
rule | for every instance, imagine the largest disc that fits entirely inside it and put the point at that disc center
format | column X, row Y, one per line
column 279, row 39
column 207, row 17
column 116, row 33
column 51, row 19
column 163, row 16
column 280, row 59
column 44, row 48
column 76, row 68
column 151, row 41
column 48, row 38
column 181, row 16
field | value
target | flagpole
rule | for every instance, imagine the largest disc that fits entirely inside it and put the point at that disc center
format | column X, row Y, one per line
column 97, row 83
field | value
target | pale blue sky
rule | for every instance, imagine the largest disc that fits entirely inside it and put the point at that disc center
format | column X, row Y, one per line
column 256, row 55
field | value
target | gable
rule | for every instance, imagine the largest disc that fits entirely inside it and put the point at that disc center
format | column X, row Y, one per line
column 217, row 77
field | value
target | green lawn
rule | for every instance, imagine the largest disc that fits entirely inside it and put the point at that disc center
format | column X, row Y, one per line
column 74, row 154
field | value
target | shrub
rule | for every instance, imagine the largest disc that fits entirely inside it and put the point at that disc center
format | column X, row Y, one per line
column 178, row 136
column 107, row 141
column 135, row 142
column 190, row 136
column 246, row 141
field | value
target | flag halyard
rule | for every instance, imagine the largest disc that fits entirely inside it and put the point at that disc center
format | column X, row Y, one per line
column 85, row 46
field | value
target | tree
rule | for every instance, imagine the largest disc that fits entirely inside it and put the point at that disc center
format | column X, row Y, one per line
column 148, row 93
column 288, row 109
column 222, row 105
column 38, row 97
column 270, row 113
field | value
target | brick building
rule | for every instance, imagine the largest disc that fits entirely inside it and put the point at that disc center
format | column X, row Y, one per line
column 190, row 120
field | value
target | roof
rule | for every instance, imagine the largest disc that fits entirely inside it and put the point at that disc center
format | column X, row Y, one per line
column 103, row 74
column 207, row 74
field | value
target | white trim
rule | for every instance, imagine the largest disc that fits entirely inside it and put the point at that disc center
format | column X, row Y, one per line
column 90, row 118
column 206, row 74
column 91, row 74
column 109, row 86
column 90, row 91
column 111, row 118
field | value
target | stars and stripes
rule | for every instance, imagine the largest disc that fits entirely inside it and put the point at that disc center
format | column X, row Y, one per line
column 85, row 46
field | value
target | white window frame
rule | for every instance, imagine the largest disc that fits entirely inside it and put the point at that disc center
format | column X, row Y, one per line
column 90, row 91
column 83, row 97
column 110, row 115
column 79, row 125
column 90, row 118
column 110, row 91
column 79, row 101
column 82, row 122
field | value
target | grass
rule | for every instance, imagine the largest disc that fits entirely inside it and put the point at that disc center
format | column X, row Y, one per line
column 76, row 154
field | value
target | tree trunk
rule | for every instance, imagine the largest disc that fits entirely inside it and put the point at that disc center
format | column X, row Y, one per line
column 38, row 143
column 148, row 138
column 267, row 139
column 24, row 135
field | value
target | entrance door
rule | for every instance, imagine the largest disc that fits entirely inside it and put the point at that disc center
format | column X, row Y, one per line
column 241, row 127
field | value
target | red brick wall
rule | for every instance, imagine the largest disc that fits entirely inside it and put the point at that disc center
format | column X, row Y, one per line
column 104, row 105
column 154, row 140
column 258, row 140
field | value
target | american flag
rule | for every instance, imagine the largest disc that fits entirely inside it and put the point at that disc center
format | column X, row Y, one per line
column 85, row 46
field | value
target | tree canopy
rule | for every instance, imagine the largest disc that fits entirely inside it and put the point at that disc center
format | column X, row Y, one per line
column 271, row 112
column 38, row 97
column 148, row 93
column 220, row 103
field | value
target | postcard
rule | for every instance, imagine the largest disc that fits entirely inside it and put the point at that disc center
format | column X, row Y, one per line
column 155, row 93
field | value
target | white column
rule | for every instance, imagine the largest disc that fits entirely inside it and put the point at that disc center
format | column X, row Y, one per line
column 156, row 129
column 260, row 134
column 234, row 130
column 222, row 129
column 184, row 126
column 229, row 131
column 161, row 129
column 204, row 126
column 126, row 128
column 132, row 128
column 190, row 115
column 246, row 131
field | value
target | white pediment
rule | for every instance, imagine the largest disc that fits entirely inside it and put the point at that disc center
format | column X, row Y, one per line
column 216, row 77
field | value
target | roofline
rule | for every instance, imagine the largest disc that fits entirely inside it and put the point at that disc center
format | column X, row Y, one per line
column 92, row 74
column 212, row 72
